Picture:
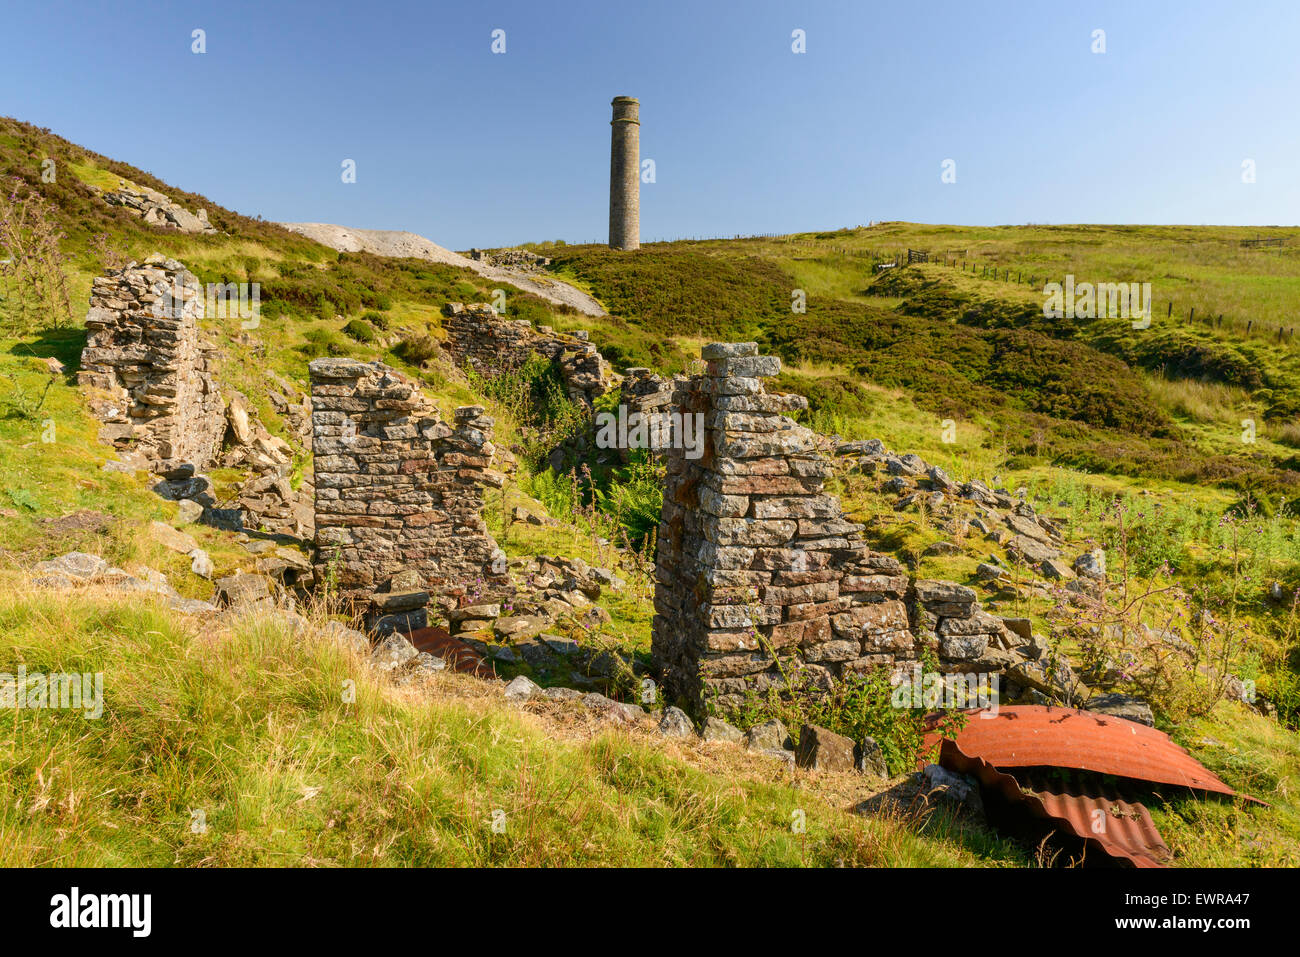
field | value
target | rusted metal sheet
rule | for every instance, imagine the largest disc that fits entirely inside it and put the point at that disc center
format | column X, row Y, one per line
column 1026, row 736
column 458, row 655
column 1108, row 823
column 1014, row 754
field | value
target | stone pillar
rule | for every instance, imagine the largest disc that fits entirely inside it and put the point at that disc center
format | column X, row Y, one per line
column 761, row 581
column 148, row 367
column 399, row 491
column 625, row 174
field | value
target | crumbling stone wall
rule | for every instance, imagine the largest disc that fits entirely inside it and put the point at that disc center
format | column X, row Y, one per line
column 644, row 393
column 399, row 492
column 761, row 581
column 150, row 368
column 492, row 345
column 158, row 210
column 756, row 561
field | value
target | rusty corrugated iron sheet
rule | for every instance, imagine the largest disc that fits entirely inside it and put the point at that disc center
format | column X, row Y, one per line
column 1123, row 830
column 1026, row 736
column 1011, row 752
column 458, row 655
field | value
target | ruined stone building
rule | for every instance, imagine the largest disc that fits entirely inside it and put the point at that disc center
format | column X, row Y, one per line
column 148, row 369
column 762, row 582
column 493, row 345
column 399, row 492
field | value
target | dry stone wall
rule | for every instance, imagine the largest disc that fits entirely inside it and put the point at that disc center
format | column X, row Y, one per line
column 762, row 581
column 149, row 370
column 399, row 492
column 645, row 394
column 492, row 345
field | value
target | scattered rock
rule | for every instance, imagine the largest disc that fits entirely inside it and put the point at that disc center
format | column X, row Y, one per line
column 613, row 710
column 1055, row 569
column 426, row 663
column 171, row 538
column 201, row 564
column 823, row 750
column 521, row 689
column 771, row 735
column 393, row 653
column 942, row 548
column 193, row 606
column 243, row 589
column 715, row 729
column 81, row 566
column 1092, row 564
column 562, row 694
column 871, row 759
column 1122, row 706
column 348, row 637
column 676, row 723
column 956, row 790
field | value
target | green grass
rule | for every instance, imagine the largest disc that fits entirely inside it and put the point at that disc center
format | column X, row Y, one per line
column 1080, row 412
column 249, row 727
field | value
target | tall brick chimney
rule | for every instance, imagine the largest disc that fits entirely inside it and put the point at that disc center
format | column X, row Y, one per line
column 625, row 174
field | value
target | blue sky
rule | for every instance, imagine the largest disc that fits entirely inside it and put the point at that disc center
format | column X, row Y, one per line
column 472, row 148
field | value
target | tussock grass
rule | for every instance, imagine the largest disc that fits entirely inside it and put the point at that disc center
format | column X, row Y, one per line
column 246, row 723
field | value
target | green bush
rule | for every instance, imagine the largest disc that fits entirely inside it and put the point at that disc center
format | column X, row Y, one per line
column 633, row 496
column 359, row 330
column 322, row 341
column 417, row 349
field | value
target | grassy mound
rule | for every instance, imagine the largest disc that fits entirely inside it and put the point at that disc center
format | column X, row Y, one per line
column 237, row 746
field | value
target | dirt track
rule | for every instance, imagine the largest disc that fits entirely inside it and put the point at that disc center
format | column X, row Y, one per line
column 410, row 245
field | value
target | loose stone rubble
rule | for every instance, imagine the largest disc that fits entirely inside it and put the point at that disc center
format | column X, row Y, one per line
column 520, row 259
column 148, row 368
column 492, row 345
column 157, row 209
column 268, row 499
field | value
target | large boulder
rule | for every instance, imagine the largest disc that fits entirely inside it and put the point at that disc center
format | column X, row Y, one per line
column 243, row 590
column 81, row 566
column 823, row 750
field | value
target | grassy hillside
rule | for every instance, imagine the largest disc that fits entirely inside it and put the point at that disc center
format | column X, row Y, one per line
column 1132, row 439
column 956, row 342
column 235, row 747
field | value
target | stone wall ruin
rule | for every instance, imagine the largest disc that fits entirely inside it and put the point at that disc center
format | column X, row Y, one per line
column 399, row 492
column 149, row 368
column 492, row 345
column 761, row 580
